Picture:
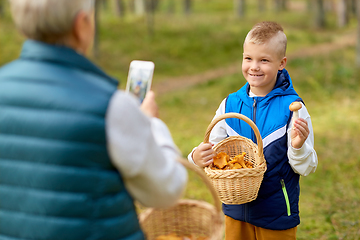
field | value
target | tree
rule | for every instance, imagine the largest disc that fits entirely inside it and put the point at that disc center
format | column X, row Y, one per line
column 104, row 3
column 1, row 8
column 119, row 8
column 358, row 34
column 280, row 5
column 343, row 12
column 150, row 10
column 353, row 7
column 154, row 4
column 187, row 7
column 140, row 7
column 319, row 14
column 239, row 7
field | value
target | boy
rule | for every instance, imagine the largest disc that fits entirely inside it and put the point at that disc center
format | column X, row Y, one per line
column 288, row 148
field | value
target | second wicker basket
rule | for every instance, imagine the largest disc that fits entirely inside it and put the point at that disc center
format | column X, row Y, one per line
column 186, row 218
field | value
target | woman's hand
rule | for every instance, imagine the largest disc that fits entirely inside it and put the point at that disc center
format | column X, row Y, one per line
column 149, row 106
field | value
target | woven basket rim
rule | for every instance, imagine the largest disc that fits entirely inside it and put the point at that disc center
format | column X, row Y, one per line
column 214, row 209
column 260, row 160
column 189, row 202
column 217, row 220
column 242, row 117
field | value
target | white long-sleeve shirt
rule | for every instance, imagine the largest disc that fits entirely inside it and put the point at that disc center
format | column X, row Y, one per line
column 143, row 151
column 303, row 160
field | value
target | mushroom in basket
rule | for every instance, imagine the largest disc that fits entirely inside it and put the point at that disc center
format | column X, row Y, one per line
column 222, row 161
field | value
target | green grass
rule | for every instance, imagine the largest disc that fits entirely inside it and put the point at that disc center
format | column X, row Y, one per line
column 212, row 37
column 330, row 198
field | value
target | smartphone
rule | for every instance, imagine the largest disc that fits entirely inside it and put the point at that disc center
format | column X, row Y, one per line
column 140, row 78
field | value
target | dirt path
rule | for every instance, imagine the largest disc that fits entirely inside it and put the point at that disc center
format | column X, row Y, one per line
column 183, row 82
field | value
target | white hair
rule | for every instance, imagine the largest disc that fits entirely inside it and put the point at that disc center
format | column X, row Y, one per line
column 47, row 20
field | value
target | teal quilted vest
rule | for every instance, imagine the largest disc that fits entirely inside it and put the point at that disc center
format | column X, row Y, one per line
column 56, row 178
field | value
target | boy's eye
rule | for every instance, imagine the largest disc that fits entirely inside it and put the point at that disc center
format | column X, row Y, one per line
column 265, row 60
column 247, row 58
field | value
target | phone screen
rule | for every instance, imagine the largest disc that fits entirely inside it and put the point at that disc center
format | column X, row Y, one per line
column 140, row 78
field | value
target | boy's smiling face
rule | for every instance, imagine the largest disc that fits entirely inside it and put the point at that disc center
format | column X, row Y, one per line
column 260, row 65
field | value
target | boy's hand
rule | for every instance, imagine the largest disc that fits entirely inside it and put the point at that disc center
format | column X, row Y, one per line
column 299, row 133
column 203, row 154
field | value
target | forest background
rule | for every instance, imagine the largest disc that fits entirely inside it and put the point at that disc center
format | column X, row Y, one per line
column 196, row 46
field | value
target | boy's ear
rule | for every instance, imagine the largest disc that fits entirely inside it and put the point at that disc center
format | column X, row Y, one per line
column 282, row 63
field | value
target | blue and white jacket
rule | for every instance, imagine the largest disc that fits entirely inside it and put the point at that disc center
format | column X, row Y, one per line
column 276, row 206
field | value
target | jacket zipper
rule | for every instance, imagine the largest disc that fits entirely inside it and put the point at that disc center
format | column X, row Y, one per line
column 286, row 197
column 245, row 213
column 253, row 137
column 254, row 119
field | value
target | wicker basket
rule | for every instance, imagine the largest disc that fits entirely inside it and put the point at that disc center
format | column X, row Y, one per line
column 188, row 217
column 238, row 186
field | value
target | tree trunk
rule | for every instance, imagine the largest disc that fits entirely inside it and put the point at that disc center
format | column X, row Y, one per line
column 358, row 34
column 187, row 7
column 140, row 7
column 119, row 8
column 239, row 7
column 343, row 12
column 280, row 5
column 104, row 3
column 319, row 14
column 331, row 5
column 150, row 9
column 131, row 6
column 1, row 8
column 154, row 5
column 353, row 7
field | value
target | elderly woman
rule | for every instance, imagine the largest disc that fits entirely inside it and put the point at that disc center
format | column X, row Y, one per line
column 75, row 152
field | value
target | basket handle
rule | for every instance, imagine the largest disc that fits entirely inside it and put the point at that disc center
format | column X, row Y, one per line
column 241, row 117
column 200, row 172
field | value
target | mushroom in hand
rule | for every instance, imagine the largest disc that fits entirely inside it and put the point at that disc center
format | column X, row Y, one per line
column 294, row 107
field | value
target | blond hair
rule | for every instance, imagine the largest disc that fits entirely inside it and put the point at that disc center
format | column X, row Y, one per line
column 265, row 32
column 47, row 20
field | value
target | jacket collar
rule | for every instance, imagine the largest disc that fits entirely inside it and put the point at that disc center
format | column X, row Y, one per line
column 40, row 51
column 283, row 86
